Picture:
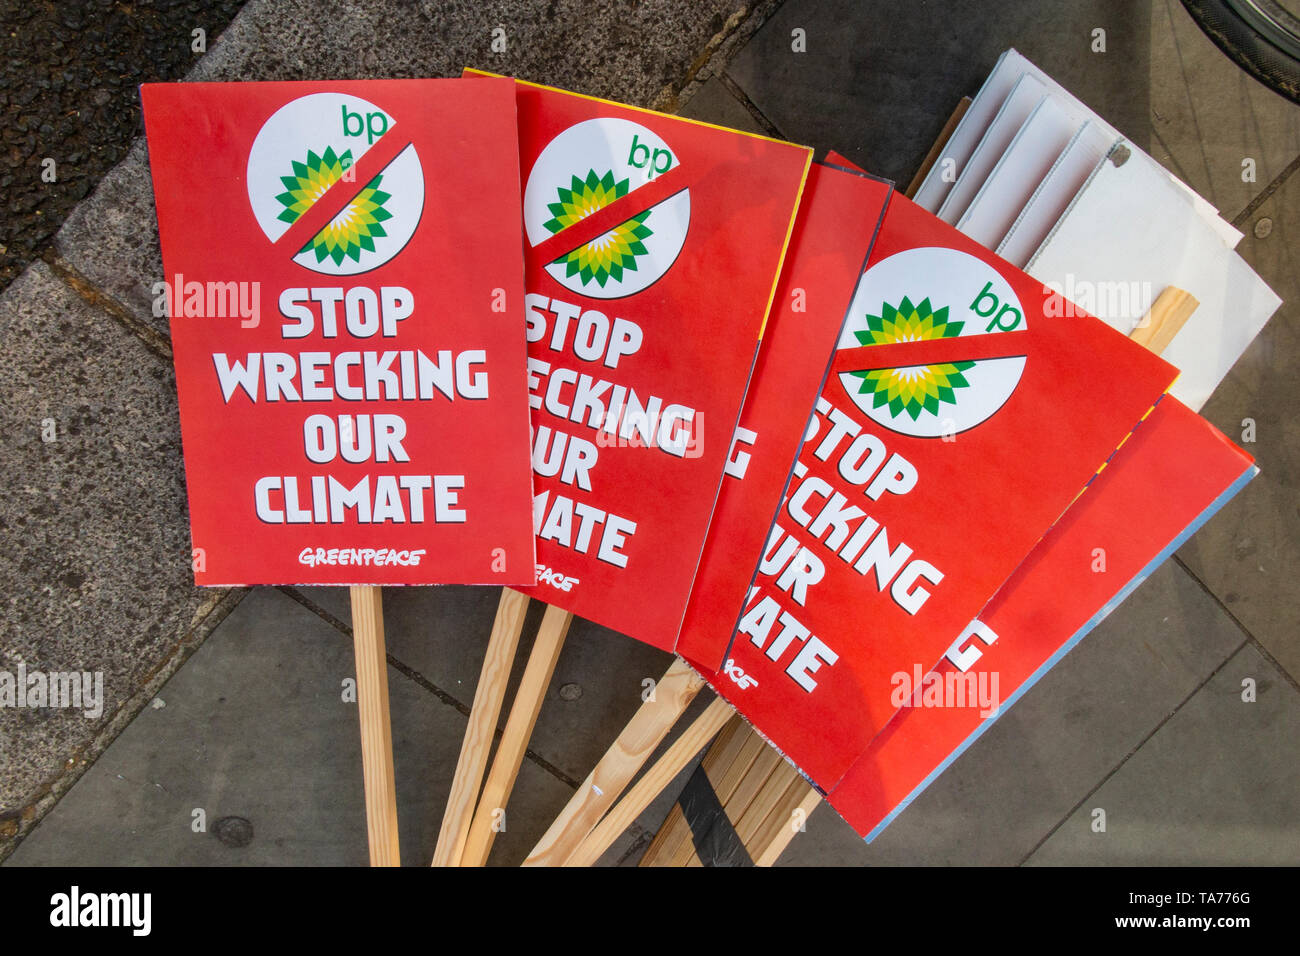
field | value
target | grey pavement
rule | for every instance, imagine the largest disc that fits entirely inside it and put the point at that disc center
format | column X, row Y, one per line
column 1249, row 555
column 1145, row 719
column 97, row 557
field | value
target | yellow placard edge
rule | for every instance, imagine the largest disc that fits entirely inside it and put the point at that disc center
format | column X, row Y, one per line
column 803, row 180
column 785, row 246
column 639, row 109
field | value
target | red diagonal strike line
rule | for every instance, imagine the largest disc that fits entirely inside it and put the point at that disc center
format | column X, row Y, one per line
column 968, row 348
column 615, row 214
column 372, row 162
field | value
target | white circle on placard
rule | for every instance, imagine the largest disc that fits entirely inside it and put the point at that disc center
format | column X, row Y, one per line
column 585, row 168
column 305, row 147
column 932, row 293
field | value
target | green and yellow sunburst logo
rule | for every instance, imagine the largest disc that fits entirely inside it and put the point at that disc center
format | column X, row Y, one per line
column 918, row 389
column 606, row 256
column 355, row 228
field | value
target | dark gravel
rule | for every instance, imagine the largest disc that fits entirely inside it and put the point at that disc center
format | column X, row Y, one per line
column 70, row 73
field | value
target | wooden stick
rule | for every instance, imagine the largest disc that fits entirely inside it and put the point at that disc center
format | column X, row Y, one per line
column 932, row 156
column 751, row 785
column 724, row 776
column 767, row 800
column 611, row 775
column 727, row 779
column 769, row 844
column 483, row 715
column 683, row 849
column 726, row 763
column 751, row 796
column 659, row 848
column 675, row 758
column 514, row 740
column 1169, row 312
column 376, row 731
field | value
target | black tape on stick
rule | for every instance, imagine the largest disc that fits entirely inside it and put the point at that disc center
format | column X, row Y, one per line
column 716, row 841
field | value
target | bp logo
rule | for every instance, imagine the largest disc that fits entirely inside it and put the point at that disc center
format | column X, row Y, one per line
column 584, row 169
column 307, row 146
column 923, row 295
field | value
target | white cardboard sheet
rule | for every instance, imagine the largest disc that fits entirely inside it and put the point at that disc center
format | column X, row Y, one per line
column 1113, row 263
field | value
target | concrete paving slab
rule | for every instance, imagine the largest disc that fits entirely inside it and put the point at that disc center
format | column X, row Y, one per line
column 1208, row 115
column 714, row 103
column 256, row 728
column 440, row 632
column 253, row 728
column 94, row 528
column 612, row 672
column 1248, row 555
column 1215, row 786
column 879, row 78
column 1000, row 798
column 112, row 238
column 826, row 841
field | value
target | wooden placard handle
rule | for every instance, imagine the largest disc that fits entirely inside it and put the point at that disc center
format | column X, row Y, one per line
column 615, row 770
column 733, row 753
column 514, row 739
column 762, row 795
column 675, row 759
column 1167, row 315
column 795, row 806
column 483, row 715
column 376, row 729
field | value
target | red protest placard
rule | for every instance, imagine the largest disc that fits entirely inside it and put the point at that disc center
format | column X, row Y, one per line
column 832, row 236
column 964, row 413
column 653, row 244
column 345, row 287
column 1166, row 481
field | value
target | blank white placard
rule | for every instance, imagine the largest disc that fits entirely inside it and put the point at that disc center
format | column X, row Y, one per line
column 1081, row 156
column 1129, row 233
column 970, row 130
column 1010, row 68
column 1017, row 175
column 1021, row 102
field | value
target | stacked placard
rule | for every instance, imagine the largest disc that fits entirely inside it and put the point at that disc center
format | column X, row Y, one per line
column 890, row 538
column 915, row 413
column 837, row 223
column 348, row 346
column 1054, row 598
column 652, row 248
